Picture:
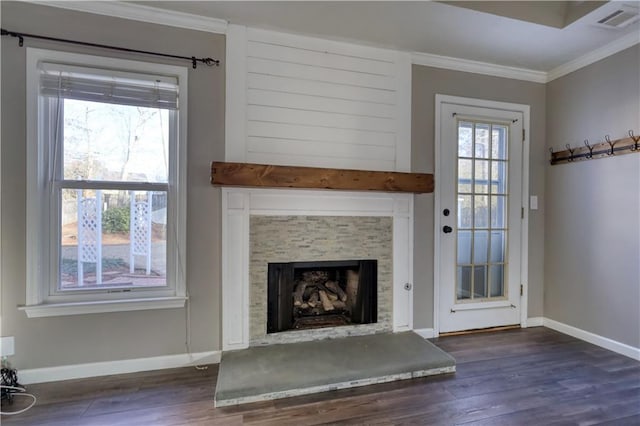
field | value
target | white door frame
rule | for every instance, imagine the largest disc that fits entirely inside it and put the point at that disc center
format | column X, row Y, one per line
column 524, row 249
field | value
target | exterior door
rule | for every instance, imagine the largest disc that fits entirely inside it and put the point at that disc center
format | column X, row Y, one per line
column 480, row 217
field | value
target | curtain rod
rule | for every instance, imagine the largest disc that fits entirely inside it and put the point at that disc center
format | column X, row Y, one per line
column 194, row 61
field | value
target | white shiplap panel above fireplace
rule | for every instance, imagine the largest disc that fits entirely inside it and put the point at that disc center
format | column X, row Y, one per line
column 294, row 100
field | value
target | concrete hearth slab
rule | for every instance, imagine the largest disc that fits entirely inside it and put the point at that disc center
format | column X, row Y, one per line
column 281, row 371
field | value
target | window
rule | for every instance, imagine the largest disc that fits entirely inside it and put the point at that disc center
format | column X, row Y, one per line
column 106, row 184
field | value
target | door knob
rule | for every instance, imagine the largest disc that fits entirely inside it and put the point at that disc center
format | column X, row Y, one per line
column 447, row 229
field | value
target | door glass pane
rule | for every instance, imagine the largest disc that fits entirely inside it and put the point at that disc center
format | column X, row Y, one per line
column 480, row 246
column 499, row 142
column 465, row 211
column 498, row 246
column 464, row 176
column 481, row 211
column 482, row 141
column 480, row 281
column 481, row 174
column 464, row 247
column 498, row 177
column 498, row 211
column 496, row 281
column 465, row 140
column 463, row 288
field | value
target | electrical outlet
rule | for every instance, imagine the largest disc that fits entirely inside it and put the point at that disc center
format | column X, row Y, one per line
column 7, row 346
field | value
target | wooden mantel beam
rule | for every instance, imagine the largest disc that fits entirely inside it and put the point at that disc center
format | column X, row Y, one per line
column 271, row 176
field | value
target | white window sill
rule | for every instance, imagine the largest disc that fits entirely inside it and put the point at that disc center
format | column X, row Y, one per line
column 101, row 306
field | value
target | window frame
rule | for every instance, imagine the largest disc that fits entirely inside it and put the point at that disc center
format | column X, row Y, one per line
column 43, row 298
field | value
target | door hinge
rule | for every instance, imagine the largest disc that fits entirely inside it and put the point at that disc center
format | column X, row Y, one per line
column 521, row 212
column 521, row 289
column 523, row 138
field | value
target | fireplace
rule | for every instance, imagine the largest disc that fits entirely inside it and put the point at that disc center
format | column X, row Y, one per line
column 273, row 226
column 307, row 295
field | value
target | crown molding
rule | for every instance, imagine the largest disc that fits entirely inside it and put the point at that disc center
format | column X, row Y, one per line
column 154, row 15
column 477, row 67
column 141, row 13
column 594, row 56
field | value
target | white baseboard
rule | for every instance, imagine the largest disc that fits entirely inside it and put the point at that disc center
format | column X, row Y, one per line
column 106, row 368
column 425, row 333
column 603, row 342
column 535, row 322
column 95, row 369
column 597, row 340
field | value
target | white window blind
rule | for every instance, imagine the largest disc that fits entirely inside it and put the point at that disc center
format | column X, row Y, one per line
column 108, row 86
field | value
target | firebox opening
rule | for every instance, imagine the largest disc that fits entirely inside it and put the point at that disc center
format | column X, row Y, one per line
column 305, row 295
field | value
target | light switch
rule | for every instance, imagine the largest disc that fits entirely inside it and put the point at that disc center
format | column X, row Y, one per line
column 533, row 202
column 7, row 346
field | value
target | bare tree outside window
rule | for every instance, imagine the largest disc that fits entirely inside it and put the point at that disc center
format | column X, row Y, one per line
column 115, row 143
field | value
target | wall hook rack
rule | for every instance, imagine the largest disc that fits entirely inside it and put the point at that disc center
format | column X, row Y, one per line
column 611, row 144
column 571, row 151
column 608, row 148
column 590, row 148
column 636, row 141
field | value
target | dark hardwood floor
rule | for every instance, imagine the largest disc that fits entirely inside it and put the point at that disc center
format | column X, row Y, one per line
column 534, row 376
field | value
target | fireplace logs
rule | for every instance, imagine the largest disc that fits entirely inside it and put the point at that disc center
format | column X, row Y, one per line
column 321, row 294
column 335, row 287
column 297, row 295
column 315, row 294
column 326, row 302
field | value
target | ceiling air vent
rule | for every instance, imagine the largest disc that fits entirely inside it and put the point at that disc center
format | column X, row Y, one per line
column 620, row 17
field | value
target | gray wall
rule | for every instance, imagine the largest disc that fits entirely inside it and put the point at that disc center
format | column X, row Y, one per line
column 42, row 342
column 592, row 247
column 427, row 82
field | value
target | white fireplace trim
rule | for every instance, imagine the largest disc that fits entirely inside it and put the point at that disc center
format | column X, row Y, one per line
column 238, row 204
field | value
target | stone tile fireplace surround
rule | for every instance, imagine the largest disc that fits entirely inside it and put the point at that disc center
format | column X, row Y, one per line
column 269, row 225
column 317, row 238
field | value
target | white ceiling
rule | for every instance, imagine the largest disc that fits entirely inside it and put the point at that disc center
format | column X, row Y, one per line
column 434, row 27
